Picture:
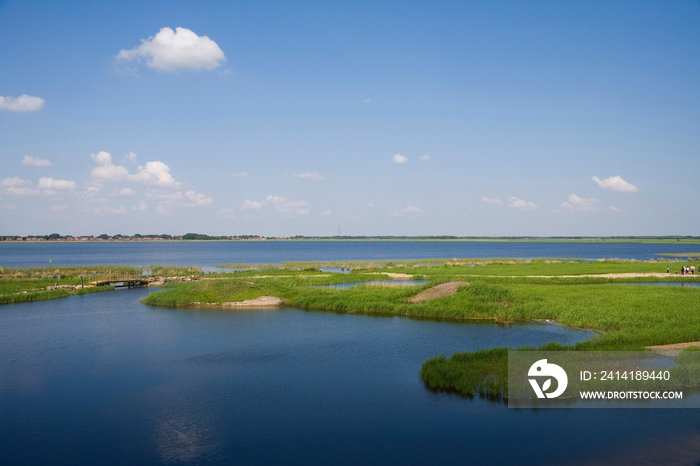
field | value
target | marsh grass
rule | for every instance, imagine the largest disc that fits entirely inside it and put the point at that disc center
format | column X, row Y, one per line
column 628, row 317
column 30, row 283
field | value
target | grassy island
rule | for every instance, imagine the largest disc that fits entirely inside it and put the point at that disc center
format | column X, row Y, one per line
column 599, row 295
column 596, row 295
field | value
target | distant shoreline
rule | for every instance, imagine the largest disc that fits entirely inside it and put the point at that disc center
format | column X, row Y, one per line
column 14, row 239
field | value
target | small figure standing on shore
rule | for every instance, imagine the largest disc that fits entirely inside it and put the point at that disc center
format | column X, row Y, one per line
column 668, row 270
column 692, row 269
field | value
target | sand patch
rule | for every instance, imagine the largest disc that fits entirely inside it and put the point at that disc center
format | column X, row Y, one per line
column 399, row 276
column 261, row 302
column 593, row 275
column 439, row 291
column 674, row 348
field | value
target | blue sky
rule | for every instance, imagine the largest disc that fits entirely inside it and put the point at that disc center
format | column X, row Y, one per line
column 396, row 118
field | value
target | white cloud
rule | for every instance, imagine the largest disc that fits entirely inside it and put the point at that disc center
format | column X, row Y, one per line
column 251, row 205
column 124, row 192
column 59, row 208
column 176, row 50
column 239, row 175
column 488, row 200
column 23, row 103
column 107, row 171
column 287, row 207
column 155, row 173
column 53, row 184
column 197, row 199
column 311, row 176
column 227, row 212
column 398, row 158
column 578, row 204
column 35, row 161
column 130, row 156
column 521, row 204
column 614, row 209
column 15, row 181
column 280, row 204
column 23, row 191
column 19, row 187
column 366, row 101
column 370, row 204
column 327, row 213
column 615, row 183
column 152, row 174
column 11, row 207
column 425, row 158
column 108, row 210
column 408, row 211
column 141, row 207
column 166, row 197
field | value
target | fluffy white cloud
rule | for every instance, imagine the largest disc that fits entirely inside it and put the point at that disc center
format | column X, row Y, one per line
column 53, row 184
column 23, row 103
column 239, row 175
column 49, row 186
column 141, row 207
column 578, row 204
column 22, row 191
column 520, row 204
column 327, row 213
column 107, row 171
column 162, row 210
column 109, row 210
column 251, row 205
column 35, row 161
column 311, row 176
column 15, row 181
column 176, row 50
column 125, row 192
column 280, row 204
column 408, row 211
column 614, row 209
column 152, row 174
column 398, row 158
column 615, row 183
column 287, row 207
column 155, row 173
column 197, row 199
column 227, row 212
column 425, row 158
column 164, row 197
column 488, row 200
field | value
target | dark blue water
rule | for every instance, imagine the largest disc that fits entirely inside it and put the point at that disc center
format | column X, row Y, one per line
column 104, row 379
column 211, row 254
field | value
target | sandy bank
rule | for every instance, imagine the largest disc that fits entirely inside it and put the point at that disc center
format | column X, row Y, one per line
column 261, row 302
column 674, row 348
column 439, row 291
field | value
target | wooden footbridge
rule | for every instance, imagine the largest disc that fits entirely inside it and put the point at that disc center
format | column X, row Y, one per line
column 122, row 282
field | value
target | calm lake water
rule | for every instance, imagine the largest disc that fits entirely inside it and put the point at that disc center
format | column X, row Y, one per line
column 104, row 379
column 211, row 254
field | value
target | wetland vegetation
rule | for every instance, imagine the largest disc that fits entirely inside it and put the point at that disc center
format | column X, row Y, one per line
column 584, row 294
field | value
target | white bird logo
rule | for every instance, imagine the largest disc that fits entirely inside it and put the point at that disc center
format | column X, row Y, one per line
column 543, row 369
